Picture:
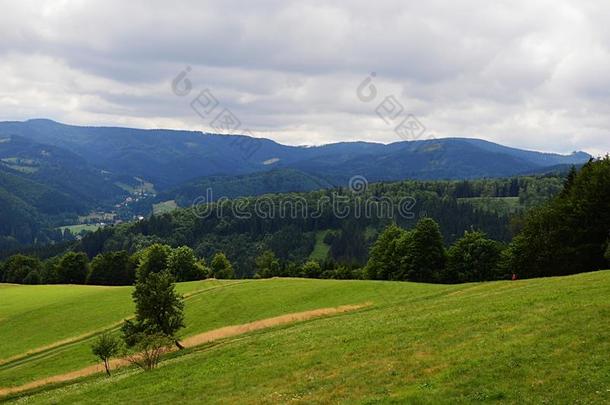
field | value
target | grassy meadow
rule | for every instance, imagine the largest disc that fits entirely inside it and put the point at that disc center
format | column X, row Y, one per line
column 529, row 341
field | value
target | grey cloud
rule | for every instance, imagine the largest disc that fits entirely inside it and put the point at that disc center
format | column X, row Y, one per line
column 526, row 73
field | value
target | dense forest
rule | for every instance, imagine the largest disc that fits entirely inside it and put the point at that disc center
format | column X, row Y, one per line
column 455, row 241
column 336, row 227
column 55, row 177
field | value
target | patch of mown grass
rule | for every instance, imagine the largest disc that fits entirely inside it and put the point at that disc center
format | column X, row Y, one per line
column 530, row 341
column 320, row 249
column 165, row 206
column 211, row 304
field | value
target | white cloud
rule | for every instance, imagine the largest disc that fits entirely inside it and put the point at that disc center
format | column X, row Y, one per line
column 529, row 74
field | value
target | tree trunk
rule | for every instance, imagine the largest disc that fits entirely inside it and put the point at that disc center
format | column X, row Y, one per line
column 107, row 366
column 178, row 345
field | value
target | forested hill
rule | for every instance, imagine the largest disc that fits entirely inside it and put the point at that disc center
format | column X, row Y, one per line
column 169, row 158
column 331, row 224
column 53, row 174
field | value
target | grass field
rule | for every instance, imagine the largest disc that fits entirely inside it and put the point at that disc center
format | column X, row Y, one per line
column 76, row 229
column 165, row 206
column 530, row 341
column 320, row 249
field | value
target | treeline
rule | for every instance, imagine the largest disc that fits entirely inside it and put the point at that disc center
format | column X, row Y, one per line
column 567, row 235
column 358, row 247
column 292, row 237
column 114, row 268
column 571, row 233
column 407, row 255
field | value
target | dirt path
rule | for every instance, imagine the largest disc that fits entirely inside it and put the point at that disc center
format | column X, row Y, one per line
column 192, row 341
column 89, row 335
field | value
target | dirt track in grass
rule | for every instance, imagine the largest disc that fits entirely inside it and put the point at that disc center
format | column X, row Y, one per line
column 192, row 341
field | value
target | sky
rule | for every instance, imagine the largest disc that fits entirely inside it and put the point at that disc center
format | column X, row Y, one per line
column 533, row 74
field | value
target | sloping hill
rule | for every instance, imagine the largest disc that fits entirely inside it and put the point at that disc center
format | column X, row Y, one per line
column 533, row 341
column 267, row 182
column 169, row 158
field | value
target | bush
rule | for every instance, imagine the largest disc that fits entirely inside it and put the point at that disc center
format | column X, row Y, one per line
column 149, row 349
column 311, row 269
column 221, row 267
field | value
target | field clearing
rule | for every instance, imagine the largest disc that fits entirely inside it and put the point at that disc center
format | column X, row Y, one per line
column 76, row 229
column 210, row 305
column 528, row 341
column 165, row 206
column 320, row 249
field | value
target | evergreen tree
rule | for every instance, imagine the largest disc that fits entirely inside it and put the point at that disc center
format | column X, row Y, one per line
column 567, row 235
column 384, row 259
column 422, row 253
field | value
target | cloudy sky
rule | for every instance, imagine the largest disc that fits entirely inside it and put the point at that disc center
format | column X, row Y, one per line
column 532, row 74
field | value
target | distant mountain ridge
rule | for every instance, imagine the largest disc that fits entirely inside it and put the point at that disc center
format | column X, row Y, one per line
column 169, row 158
column 52, row 173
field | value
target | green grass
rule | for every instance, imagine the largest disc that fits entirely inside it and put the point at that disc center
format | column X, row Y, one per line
column 165, row 206
column 141, row 187
column 320, row 249
column 22, row 165
column 213, row 304
column 529, row 341
column 76, row 229
column 59, row 324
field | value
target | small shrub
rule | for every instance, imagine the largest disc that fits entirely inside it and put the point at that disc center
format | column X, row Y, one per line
column 149, row 349
column 105, row 347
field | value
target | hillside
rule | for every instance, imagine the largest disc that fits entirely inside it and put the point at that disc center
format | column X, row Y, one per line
column 169, row 158
column 272, row 181
column 52, row 174
column 533, row 341
column 458, row 206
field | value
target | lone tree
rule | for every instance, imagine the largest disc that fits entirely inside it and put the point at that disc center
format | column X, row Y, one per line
column 105, row 347
column 159, row 309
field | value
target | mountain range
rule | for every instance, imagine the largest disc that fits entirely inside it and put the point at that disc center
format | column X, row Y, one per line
column 51, row 172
